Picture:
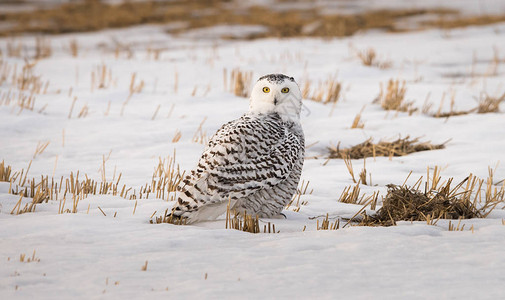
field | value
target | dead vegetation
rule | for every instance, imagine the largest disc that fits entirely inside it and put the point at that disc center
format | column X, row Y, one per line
column 101, row 77
column 5, row 172
column 456, row 21
column 392, row 97
column 166, row 176
column 24, row 258
column 353, row 195
column 432, row 201
column 135, row 88
column 398, row 147
column 328, row 91
column 326, row 224
column 43, row 48
column 167, row 218
column 485, row 104
column 92, row 15
column 239, row 82
column 234, row 220
column 370, row 58
column 489, row 104
column 247, row 223
column 296, row 202
column 357, row 121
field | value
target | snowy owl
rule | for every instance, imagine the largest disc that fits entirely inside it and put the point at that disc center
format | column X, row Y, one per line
column 254, row 162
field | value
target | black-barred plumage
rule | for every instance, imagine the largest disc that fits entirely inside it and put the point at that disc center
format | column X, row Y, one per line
column 253, row 162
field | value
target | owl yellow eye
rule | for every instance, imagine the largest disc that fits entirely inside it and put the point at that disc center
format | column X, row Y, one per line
column 285, row 90
column 266, row 90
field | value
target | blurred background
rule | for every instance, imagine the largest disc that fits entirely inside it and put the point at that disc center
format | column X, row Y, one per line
column 264, row 18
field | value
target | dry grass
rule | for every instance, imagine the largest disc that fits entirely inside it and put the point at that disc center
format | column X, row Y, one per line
column 485, row 104
column 393, row 97
column 167, row 175
column 438, row 200
column 239, row 83
column 352, row 195
column 326, row 224
column 449, row 22
column 167, row 218
column 328, row 91
column 101, row 77
column 200, row 135
column 399, row 147
column 41, row 147
column 358, row 122
column 91, row 15
column 296, row 201
column 245, row 222
column 74, row 48
column 234, row 220
column 135, row 88
column 144, row 267
column 369, row 58
column 43, row 48
column 5, row 172
column 33, row 258
column 489, row 104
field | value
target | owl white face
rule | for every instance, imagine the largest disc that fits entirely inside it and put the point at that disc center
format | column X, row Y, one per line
column 277, row 93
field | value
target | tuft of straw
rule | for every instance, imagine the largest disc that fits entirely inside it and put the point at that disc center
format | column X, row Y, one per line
column 398, row 147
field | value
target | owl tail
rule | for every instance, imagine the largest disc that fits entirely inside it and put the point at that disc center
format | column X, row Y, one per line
column 182, row 214
column 188, row 210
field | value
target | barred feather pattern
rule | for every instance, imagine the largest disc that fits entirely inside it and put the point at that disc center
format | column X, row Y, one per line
column 253, row 162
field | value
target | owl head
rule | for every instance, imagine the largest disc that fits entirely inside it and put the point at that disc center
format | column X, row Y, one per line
column 277, row 93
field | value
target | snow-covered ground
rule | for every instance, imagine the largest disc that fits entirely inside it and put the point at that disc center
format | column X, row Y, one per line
column 88, row 255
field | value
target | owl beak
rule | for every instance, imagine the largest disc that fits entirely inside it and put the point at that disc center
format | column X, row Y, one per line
column 275, row 101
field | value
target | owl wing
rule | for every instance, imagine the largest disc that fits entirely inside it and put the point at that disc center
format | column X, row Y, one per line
column 247, row 155
column 265, row 156
column 244, row 156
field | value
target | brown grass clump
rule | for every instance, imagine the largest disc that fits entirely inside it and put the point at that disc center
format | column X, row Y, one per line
column 488, row 104
column 23, row 258
column 168, row 218
column 369, row 58
column 358, row 122
column 240, row 82
column 166, row 177
column 5, row 172
column 399, row 147
column 353, row 197
column 328, row 91
column 406, row 204
column 485, row 104
column 245, row 222
column 326, row 224
column 393, row 97
column 437, row 201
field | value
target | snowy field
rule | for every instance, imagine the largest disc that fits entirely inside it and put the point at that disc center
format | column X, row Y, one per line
column 93, row 254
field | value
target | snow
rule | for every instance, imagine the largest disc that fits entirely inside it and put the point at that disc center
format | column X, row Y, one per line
column 88, row 255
